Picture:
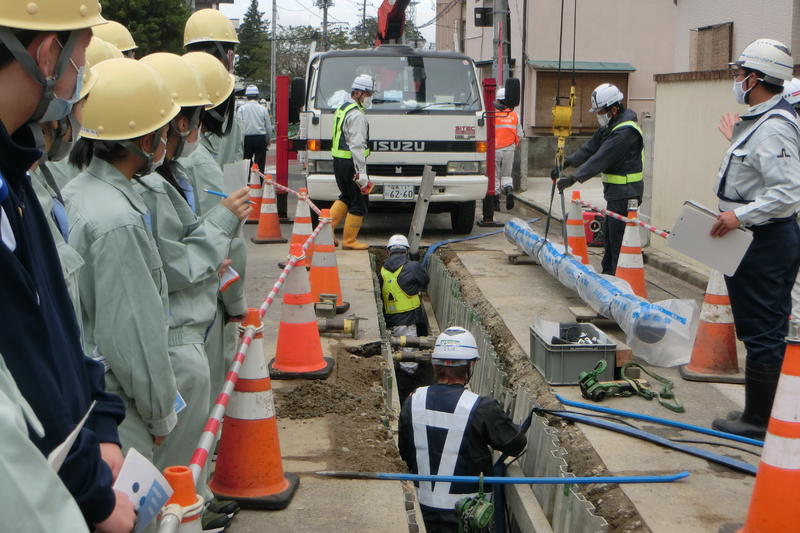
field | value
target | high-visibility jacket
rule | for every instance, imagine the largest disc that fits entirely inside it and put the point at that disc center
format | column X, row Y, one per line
column 395, row 299
column 339, row 147
column 506, row 124
column 633, row 177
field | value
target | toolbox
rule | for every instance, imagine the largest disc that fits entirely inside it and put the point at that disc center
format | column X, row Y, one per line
column 560, row 364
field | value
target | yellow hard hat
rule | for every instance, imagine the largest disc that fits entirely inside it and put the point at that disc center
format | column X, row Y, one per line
column 89, row 80
column 182, row 79
column 100, row 50
column 116, row 34
column 209, row 25
column 128, row 101
column 219, row 82
column 50, row 15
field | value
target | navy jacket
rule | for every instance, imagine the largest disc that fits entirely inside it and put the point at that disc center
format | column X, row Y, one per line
column 413, row 279
column 40, row 340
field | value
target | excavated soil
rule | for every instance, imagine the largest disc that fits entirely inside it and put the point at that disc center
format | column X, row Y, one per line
column 609, row 500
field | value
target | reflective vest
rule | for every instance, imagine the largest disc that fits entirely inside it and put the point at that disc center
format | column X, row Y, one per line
column 395, row 299
column 437, row 494
column 617, row 179
column 505, row 129
column 339, row 146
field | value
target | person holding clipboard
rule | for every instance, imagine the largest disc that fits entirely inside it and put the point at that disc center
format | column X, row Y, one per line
column 758, row 187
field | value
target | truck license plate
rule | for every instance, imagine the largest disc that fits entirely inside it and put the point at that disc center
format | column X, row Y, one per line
column 398, row 192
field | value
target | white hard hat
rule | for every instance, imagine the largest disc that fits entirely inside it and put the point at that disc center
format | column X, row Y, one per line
column 363, row 82
column 501, row 93
column 251, row 90
column 455, row 346
column 769, row 56
column 604, row 95
column 791, row 91
column 398, row 240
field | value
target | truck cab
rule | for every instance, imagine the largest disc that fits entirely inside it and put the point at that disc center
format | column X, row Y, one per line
column 427, row 110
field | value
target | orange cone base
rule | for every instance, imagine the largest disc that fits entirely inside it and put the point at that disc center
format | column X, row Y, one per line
column 692, row 375
column 322, row 373
column 273, row 502
column 268, row 241
column 343, row 308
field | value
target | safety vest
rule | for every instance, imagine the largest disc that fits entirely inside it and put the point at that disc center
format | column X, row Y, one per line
column 395, row 299
column 505, row 129
column 617, row 179
column 339, row 146
column 437, row 494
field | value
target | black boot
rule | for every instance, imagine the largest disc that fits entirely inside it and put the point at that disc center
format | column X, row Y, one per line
column 496, row 199
column 760, row 382
column 509, row 198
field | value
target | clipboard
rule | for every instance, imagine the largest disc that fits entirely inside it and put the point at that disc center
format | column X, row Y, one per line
column 691, row 236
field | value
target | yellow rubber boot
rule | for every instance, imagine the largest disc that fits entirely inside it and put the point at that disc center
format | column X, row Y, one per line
column 338, row 212
column 352, row 224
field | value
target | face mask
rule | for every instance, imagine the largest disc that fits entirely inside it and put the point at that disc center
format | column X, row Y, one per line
column 188, row 148
column 603, row 119
column 160, row 161
column 739, row 93
column 61, row 147
column 366, row 102
column 60, row 108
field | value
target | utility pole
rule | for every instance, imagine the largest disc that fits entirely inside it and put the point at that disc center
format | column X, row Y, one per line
column 364, row 21
column 502, row 34
column 273, row 49
column 324, row 5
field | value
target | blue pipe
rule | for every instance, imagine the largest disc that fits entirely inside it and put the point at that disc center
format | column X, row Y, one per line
column 662, row 421
column 494, row 480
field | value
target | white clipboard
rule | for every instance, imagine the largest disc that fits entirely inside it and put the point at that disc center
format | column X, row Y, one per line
column 691, row 236
column 235, row 176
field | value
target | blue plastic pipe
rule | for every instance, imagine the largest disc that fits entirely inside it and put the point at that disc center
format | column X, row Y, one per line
column 493, row 480
column 662, row 421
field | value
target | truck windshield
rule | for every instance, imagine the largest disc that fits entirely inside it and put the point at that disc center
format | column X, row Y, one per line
column 402, row 83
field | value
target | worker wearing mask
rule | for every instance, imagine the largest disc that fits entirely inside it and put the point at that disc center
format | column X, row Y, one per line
column 758, row 187
column 203, row 172
column 118, row 36
column 433, row 416
column 41, row 60
column 350, row 141
column 401, row 282
column 508, row 132
column 123, row 287
column 617, row 150
column 257, row 128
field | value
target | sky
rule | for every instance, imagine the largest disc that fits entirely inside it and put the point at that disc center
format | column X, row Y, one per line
column 303, row 12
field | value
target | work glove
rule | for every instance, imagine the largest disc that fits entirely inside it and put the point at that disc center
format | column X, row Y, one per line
column 364, row 183
column 564, row 183
column 554, row 174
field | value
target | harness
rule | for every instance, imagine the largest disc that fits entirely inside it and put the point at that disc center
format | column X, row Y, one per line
column 339, row 147
column 595, row 390
column 624, row 179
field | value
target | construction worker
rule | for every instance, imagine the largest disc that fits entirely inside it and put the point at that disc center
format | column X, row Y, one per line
column 617, row 150
column 257, row 128
column 123, row 287
column 41, row 55
column 208, row 30
column 447, row 430
column 350, row 150
column 401, row 282
column 117, row 35
column 758, row 187
column 508, row 132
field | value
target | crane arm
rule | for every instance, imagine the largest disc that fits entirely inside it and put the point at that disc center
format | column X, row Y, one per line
column 391, row 21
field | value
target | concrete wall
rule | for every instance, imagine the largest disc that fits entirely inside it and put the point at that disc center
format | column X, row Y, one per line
column 688, row 147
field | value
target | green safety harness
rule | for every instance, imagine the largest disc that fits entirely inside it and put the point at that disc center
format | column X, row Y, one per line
column 595, row 390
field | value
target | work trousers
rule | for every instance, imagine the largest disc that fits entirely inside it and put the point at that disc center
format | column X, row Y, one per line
column 613, row 231
column 504, row 165
column 760, row 290
column 350, row 193
column 255, row 149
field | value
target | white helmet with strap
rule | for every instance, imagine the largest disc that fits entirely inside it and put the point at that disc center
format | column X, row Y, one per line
column 363, row 82
column 770, row 57
column 398, row 241
column 791, row 91
column 455, row 346
column 605, row 95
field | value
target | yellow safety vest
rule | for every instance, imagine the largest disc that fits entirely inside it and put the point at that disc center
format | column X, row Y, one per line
column 395, row 299
column 617, row 179
column 339, row 147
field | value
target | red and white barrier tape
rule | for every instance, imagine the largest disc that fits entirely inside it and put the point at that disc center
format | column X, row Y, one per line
column 645, row 225
column 290, row 191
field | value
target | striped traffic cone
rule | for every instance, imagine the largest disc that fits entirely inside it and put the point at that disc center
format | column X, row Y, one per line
column 269, row 229
column 184, row 496
column 302, row 226
column 299, row 350
column 774, row 501
column 576, row 234
column 324, row 270
column 630, row 266
column 249, row 467
column 255, row 196
column 714, row 352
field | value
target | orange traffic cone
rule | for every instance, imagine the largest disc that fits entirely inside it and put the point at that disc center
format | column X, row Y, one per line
column 576, row 234
column 302, row 226
column 299, row 350
column 630, row 266
column 324, row 270
column 714, row 353
column 183, row 495
column 255, row 197
column 269, row 228
column 774, row 501
column 249, row 466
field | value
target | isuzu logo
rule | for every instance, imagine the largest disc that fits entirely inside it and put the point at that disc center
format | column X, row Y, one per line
column 398, row 146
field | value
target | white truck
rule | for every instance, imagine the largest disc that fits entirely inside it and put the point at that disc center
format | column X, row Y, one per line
column 427, row 110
